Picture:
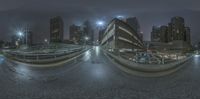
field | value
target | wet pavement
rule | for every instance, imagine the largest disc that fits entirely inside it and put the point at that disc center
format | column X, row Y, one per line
column 94, row 77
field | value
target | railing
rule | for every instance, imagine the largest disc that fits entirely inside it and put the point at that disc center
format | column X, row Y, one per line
column 49, row 57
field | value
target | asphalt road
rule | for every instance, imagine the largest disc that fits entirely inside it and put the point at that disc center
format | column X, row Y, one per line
column 94, row 77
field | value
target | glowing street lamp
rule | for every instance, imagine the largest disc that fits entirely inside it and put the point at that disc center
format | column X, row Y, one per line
column 20, row 34
column 100, row 26
column 86, row 38
column 100, row 23
column 120, row 17
column 45, row 40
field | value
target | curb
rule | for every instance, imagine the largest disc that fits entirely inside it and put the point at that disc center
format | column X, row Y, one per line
column 143, row 73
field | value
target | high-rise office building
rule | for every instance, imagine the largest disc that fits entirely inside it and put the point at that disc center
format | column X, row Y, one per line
column 28, row 36
column 88, row 32
column 56, row 29
column 133, row 22
column 187, row 35
column 155, row 34
column 163, row 33
column 76, row 34
column 175, row 31
column 169, row 34
column 120, row 36
column 178, row 28
column 25, row 39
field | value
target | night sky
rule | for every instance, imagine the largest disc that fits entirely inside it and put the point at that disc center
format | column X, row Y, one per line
column 16, row 13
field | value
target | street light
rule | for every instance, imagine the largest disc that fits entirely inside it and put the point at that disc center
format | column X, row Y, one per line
column 20, row 34
column 100, row 23
column 86, row 38
column 100, row 26
column 120, row 17
column 46, row 40
column 20, row 40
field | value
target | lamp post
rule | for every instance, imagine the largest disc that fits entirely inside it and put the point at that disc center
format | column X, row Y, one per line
column 100, row 25
column 20, row 34
column 86, row 38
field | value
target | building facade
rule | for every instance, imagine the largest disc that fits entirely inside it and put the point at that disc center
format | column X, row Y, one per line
column 120, row 36
column 101, row 32
column 25, row 39
column 76, row 34
column 163, row 34
column 175, row 31
column 28, row 37
column 178, row 28
column 56, row 29
column 134, row 23
column 187, row 35
column 88, row 32
column 155, row 34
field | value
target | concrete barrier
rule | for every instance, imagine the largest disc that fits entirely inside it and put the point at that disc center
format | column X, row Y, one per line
column 148, row 68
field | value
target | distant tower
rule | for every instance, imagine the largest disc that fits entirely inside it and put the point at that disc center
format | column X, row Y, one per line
column 163, row 34
column 88, row 31
column 76, row 33
column 134, row 23
column 169, row 34
column 178, row 28
column 187, row 35
column 155, row 34
column 101, row 32
column 178, row 31
column 56, row 29
column 28, row 36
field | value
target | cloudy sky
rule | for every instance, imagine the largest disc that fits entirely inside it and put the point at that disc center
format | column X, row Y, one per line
column 16, row 13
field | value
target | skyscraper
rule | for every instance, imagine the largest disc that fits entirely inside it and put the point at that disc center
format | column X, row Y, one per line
column 88, row 32
column 56, row 29
column 187, row 35
column 175, row 31
column 155, row 34
column 163, row 33
column 76, row 33
column 178, row 28
column 133, row 22
column 120, row 36
column 169, row 34
column 28, row 36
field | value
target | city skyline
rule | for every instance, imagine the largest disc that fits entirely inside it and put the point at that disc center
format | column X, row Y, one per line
column 99, row 49
column 12, row 17
column 147, row 35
